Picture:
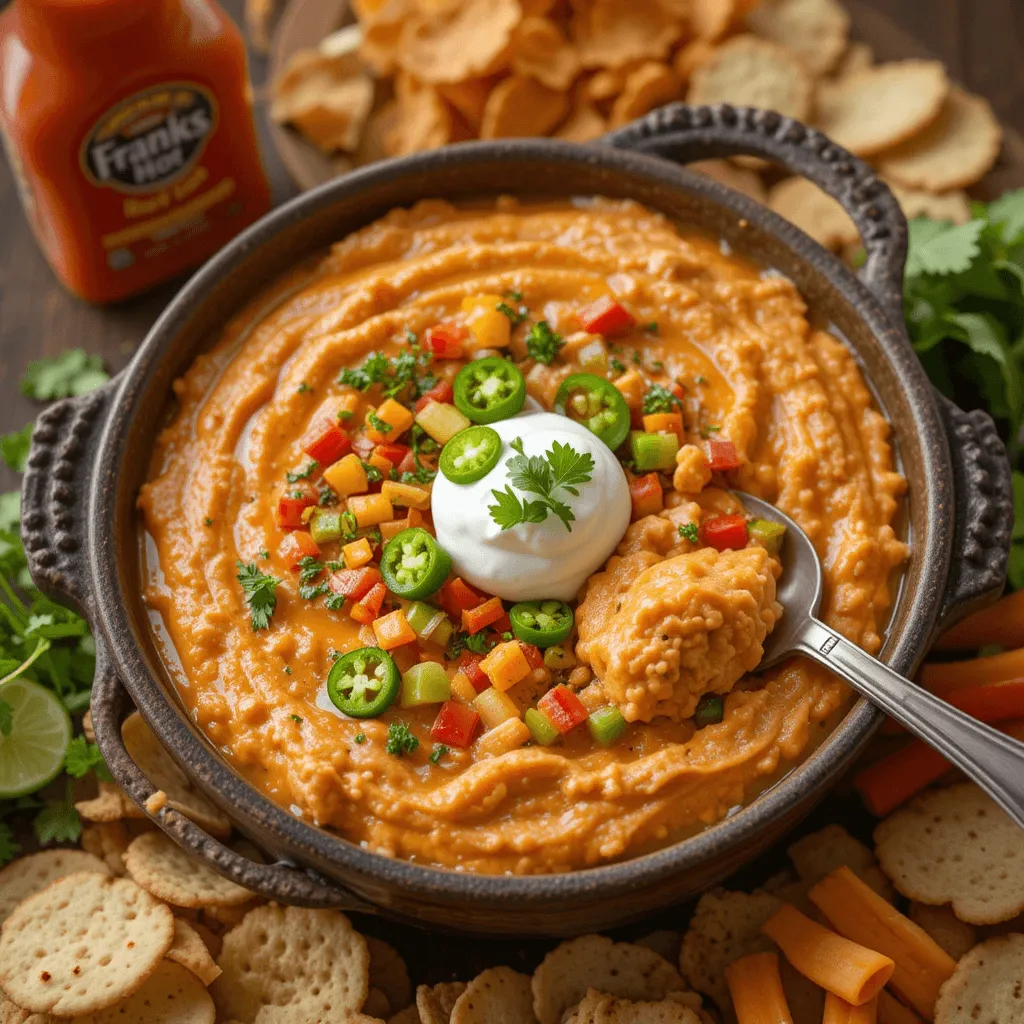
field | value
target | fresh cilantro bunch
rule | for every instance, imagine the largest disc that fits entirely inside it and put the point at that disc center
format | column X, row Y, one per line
column 260, row 593
column 71, row 373
column 560, row 468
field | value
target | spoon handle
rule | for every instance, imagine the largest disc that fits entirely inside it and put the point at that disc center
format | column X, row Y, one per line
column 994, row 761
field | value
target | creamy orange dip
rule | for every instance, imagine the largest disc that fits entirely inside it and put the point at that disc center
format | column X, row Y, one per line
column 672, row 619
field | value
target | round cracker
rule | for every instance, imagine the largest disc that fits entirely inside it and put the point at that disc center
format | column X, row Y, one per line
column 986, row 986
column 711, row 19
column 389, row 973
column 28, row 875
column 814, row 212
column 189, row 950
column 410, row 1015
column 877, row 108
column 756, row 73
column 819, row 853
column 601, row 1008
column 162, row 868
column 955, row 845
column 100, row 938
column 816, row 30
column 497, row 996
column 858, row 57
column 170, row 995
column 434, row 1003
column 110, row 804
column 376, row 1004
column 593, row 961
column 952, row 206
column 956, row 150
column 158, row 766
column 107, row 840
column 290, row 965
column 741, row 179
column 521, row 106
column 11, row 1014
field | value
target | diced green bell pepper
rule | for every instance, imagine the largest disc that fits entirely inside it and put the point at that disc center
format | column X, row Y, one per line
column 606, row 725
column 653, row 451
column 541, row 728
column 425, row 683
column 419, row 615
column 325, row 526
column 768, row 534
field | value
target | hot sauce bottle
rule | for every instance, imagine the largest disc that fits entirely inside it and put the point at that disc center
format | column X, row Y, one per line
column 128, row 126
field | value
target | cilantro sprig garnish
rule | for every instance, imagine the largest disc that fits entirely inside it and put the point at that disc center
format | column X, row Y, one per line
column 260, row 593
column 542, row 343
column 400, row 740
column 408, row 370
column 71, row 373
column 561, row 468
column 659, row 399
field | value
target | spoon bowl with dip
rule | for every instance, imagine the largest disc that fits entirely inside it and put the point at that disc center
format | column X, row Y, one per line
column 994, row 761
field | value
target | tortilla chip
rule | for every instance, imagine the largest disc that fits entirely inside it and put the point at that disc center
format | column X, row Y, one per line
column 711, row 19
column 26, row 876
column 542, row 51
column 434, row 1003
column 955, row 845
column 650, row 85
column 410, row 1015
column 952, row 934
column 875, row 109
column 594, row 961
column 603, row 86
column 422, row 121
column 816, row 30
column 739, row 178
column 584, row 124
column 691, row 57
column 388, row 973
column 953, row 206
column 189, row 950
column 858, row 57
column 468, row 98
column 754, row 72
column 610, row 35
column 521, row 106
column 497, row 996
column 377, row 1005
column 815, row 212
column 725, row 926
column 373, row 143
column 956, row 150
column 986, row 987
column 111, row 803
column 820, row 853
column 601, row 1008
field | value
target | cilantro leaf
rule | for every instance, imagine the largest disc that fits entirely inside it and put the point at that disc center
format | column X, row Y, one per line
column 6, row 715
column 71, row 373
column 659, row 399
column 509, row 510
column 260, row 596
column 438, row 752
column 542, row 343
column 9, row 846
column 14, row 447
column 569, row 466
column 373, row 371
column 688, row 531
column 1008, row 213
column 83, row 757
column 400, row 740
column 940, row 248
column 309, row 568
column 303, row 474
column 58, row 821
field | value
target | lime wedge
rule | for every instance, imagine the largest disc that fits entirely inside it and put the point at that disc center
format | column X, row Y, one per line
column 33, row 752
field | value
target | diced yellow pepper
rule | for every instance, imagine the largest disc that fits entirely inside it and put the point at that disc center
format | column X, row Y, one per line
column 395, row 415
column 370, row 509
column 392, row 528
column 462, row 688
column 494, row 707
column 490, row 329
column 510, row 735
column 379, row 462
column 347, row 476
column 506, row 665
column 474, row 303
column 441, row 421
column 347, row 406
column 664, row 423
column 633, row 388
column 357, row 554
column 407, row 495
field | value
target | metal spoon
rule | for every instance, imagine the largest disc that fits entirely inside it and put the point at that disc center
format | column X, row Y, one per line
column 994, row 761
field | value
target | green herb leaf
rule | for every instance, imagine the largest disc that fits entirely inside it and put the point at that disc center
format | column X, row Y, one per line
column 400, row 740
column 83, row 757
column 309, row 568
column 14, row 447
column 303, row 474
column 260, row 596
column 71, row 373
column 660, row 399
column 688, row 531
column 438, row 752
column 542, row 343
column 940, row 248
column 58, row 821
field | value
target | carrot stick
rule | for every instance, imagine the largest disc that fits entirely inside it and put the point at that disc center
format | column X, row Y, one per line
column 837, row 964
column 892, row 1011
column 990, row 702
column 1001, row 623
column 756, row 989
column 857, row 912
column 943, row 677
column 894, row 779
column 839, row 1011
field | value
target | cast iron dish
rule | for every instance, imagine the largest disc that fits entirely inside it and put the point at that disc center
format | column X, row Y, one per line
column 89, row 456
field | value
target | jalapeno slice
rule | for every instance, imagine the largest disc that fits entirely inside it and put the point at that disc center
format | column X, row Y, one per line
column 488, row 390
column 414, row 565
column 470, row 455
column 541, row 623
column 364, row 683
column 597, row 404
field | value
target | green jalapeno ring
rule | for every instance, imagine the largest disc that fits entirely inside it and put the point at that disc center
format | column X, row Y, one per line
column 414, row 565
column 541, row 623
column 471, row 454
column 597, row 404
column 364, row 683
column 491, row 389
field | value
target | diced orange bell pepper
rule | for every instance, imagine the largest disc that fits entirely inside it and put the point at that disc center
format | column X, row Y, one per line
column 393, row 630
column 357, row 554
column 296, row 546
column 393, row 415
column 370, row 509
column 665, row 423
column 366, row 610
column 506, row 665
column 456, row 596
column 392, row 528
column 483, row 615
column 646, row 494
column 347, row 476
column 406, row 495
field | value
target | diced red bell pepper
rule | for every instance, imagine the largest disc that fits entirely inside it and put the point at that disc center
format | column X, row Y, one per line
column 456, row 597
column 482, row 616
column 363, row 446
column 326, row 442
column 502, row 625
column 533, row 655
column 469, row 666
column 394, row 453
column 606, row 316
column 646, row 494
column 446, row 339
column 678, row 391
column 724, row 532
column 722, row 456
column 455, row 724
column 636, row 418
column 442, row 392
column 289, row 511
column 563, row 707
column 366, row 610
column 354, row 584
column 296, row 546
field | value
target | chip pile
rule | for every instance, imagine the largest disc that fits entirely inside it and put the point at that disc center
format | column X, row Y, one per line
column 412, row 75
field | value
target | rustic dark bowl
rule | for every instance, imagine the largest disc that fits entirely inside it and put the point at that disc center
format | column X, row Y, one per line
column 89, row 456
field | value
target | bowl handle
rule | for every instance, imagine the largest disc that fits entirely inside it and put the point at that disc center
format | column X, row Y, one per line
column 983, row 517
column 280, row 881
column 684, row 133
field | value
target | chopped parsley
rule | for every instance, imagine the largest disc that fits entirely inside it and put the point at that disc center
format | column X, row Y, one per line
column 304, row 389
column 325, row 495
column 478, row 643
column 542, row 343
column 421, row 443
column 287, row 670
column 709, row 429
column 373, row 474
column 296, row 718
column 688, row 531
column 264, row 553
column 700, row 379
column 637, row 358
column 406, row 370
column 309, row 568
column 660, row 399
column 207, row 521
column 303, row 474
column 652, row 327
column 618, row 365
column 400, row 740
column 381, row 426
column 438, row 752
column 514, row 294
column 657, row 366
column 83, row 757
column 517, row 316
column 71, row 373
column 360, row 737
column 260, row 596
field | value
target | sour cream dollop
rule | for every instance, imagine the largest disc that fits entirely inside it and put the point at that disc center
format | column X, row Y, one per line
column 533, row 561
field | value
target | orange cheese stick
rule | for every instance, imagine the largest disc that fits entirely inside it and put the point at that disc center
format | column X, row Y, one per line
column 858, row 912
column 892, row 1011
column 837, row 964
column 839, row 1011
column 1002, row 624
column 942, row 678
column 756, row 989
